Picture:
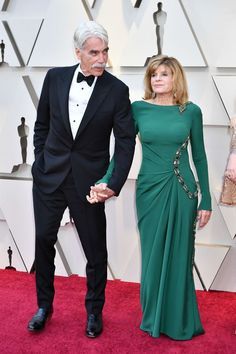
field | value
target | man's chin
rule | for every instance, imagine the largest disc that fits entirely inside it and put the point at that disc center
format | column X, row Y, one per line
column 98, row 72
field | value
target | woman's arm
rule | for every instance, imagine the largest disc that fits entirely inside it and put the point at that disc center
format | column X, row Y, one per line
column 200, row 162
column 230, row 171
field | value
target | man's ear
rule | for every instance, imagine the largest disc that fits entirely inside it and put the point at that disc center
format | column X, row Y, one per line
column 78, row 53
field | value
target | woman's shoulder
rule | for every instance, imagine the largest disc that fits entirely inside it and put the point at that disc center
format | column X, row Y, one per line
column 193, row 110
column 141, row 104
column 137, row 106
column 193, row 107
column 137, row 103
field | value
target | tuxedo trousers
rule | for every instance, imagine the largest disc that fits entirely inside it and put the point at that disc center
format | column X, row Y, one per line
column 90, row 222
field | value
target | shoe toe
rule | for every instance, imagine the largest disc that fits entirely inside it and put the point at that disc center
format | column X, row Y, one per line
column 94, row 326
column 38, row 321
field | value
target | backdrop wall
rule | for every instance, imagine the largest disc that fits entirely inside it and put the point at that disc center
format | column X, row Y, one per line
column 38, row 35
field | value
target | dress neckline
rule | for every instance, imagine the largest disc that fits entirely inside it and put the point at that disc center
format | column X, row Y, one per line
column 160, row 105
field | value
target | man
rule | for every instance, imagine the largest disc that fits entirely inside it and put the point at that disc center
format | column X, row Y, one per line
column 72, row 134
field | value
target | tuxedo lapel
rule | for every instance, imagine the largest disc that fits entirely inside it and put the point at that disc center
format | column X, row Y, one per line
column 64, row 83
column 100, row 91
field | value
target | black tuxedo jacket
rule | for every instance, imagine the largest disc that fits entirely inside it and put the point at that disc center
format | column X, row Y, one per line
column 56, row 152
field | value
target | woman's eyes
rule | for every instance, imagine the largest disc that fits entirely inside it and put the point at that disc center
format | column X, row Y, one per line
column 160, row 75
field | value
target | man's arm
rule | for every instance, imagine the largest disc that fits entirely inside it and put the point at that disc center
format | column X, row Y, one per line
column 124, row 133
column 41, row 127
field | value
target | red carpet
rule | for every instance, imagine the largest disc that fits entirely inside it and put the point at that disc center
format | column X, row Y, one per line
column 65, row 332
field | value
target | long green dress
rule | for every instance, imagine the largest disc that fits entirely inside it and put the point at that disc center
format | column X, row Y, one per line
column 166, row 201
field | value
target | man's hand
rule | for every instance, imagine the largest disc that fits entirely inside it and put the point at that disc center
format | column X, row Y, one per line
column 99, row 193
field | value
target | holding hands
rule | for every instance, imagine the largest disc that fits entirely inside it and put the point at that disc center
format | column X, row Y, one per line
column 99, row 193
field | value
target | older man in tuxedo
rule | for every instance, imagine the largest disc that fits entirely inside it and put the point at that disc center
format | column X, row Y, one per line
column 78, row 108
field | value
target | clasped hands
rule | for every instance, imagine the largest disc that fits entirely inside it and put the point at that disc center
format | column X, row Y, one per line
column 99, row 193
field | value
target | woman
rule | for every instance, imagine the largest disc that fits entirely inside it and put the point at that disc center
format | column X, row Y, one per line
column 228, row 195
column 166, row 200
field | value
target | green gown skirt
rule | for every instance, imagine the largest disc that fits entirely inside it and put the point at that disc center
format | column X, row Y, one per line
column 166, row 221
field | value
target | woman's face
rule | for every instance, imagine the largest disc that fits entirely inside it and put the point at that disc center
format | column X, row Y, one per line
column 162, row 80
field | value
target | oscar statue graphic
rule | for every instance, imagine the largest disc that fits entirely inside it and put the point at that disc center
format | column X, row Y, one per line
column 10, row 252
column 2, row 53
column 159, row 19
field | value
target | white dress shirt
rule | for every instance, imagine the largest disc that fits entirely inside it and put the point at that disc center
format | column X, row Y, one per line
column 79, row 96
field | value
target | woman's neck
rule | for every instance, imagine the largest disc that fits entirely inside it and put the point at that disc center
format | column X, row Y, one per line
column 164, row 100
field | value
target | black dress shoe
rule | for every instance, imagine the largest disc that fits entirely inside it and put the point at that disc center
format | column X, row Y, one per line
column 94, row 325
column 38, row 321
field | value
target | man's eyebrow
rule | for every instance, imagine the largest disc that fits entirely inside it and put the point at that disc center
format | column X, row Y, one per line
column 97, row 51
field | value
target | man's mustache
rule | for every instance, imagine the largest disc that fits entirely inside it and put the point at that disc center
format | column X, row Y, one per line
column 100, row 66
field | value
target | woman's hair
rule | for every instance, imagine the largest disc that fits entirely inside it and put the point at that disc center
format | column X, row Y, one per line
column 87, row 30
column 180, row 89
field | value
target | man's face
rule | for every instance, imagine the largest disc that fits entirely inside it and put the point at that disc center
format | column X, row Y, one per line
column 93, row 57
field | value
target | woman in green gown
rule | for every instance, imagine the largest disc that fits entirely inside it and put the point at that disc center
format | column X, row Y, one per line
column 167, row 200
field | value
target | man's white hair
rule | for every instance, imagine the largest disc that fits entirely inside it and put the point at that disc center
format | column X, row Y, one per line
column 87, row 30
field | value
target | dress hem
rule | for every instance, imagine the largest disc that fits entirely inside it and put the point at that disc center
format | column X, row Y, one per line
column 172, row 337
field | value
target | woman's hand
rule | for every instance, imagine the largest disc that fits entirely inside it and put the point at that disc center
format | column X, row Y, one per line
column 99, row 193
column 203, row 218
column 231, row 167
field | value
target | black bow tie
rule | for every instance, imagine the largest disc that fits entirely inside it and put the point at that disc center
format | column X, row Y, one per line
column 89, row 79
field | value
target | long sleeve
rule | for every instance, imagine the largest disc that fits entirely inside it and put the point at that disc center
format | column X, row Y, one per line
column 43, row 119
column 231, row 163
column 233, row 138
column 107, row 176
column 123, row 129
column 228, row 195
column 199, row 159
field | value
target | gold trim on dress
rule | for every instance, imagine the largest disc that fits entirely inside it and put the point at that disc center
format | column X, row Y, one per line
column 176, row 162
